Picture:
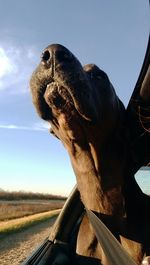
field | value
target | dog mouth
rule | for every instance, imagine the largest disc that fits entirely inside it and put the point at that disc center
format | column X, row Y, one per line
column 58, row 99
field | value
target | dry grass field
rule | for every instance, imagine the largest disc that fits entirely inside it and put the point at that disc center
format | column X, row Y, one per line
column 16, row 209
column 25, row 222
column 20, row 236
column 21, row 210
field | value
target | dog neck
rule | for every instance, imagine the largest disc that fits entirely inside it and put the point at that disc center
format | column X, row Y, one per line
column 99, row 177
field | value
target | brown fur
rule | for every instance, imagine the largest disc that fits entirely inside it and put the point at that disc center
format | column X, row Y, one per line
column 89, row 119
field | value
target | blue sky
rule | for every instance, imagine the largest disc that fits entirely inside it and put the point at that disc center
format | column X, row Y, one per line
column 111, row 34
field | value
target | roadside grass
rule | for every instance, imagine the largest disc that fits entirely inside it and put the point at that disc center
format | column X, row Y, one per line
column 17, row 209
column 11, row 226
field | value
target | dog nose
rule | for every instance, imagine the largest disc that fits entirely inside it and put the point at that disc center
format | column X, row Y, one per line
column 56, row 53
column 63, row 55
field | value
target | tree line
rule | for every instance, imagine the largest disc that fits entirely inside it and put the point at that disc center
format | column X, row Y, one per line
column 22, row 195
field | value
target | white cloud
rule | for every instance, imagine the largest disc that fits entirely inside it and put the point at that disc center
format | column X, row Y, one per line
column 16, row 67
column 6, row 66
column 42, row 126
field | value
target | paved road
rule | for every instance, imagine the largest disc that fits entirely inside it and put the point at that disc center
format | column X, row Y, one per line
column 16, row 247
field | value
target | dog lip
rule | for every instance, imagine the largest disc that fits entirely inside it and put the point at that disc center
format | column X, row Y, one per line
column 57, row 96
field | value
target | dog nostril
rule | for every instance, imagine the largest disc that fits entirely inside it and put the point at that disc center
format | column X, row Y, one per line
column 46, row 56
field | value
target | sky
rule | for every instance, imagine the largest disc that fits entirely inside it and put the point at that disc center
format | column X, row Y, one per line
column 111, row 34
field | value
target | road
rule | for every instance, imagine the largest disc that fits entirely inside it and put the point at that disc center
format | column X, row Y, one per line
column 16, row 247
